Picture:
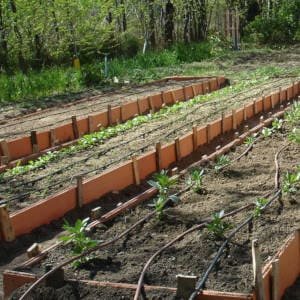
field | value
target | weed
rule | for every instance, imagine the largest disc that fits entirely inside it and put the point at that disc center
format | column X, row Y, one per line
column 163, row 183
column 221, row 162
column 249, row 140
column 195, row 180
column 78, row 239
column 259, row 205
column 217, row 226
column 291, row 182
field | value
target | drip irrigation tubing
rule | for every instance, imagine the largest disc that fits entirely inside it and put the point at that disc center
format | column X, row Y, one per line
column 265, row 85
column 200, row 285
column 125, row 143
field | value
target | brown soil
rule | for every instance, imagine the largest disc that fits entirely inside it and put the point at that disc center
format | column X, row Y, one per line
column 30, row 187
column 239, row 184
column 52, row 117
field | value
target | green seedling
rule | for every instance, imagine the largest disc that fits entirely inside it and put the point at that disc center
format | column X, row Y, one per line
column 291, row 182
column 163, row 183
column 195, row 180
column 266, row 132
column 217, row 227
column 277, row 124
column 76, row 236
column 259, row 205
column 221, row 162
column 294, row 136
column 293, row 116
column 249, row 140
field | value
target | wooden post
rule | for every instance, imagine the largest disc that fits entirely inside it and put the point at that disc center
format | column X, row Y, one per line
column 33, row 250
column 109, row 115
column 5, row 149
column 122, row 112
column 234, row 125
column 34, row 142
column 7, row 229
column 227, row 24
column 263, row 103
column 139, row 106
column 173, row 97
column 158, row 156
column 185, row 286
column 136, row 172
column 275, row 280
column 195, row 138
column 257, row 271
column 184, row 93
column 177, row 149
column 151, row 105
column 272, row 102
column 194, row 91
column 79, row 191
column 222, row 122
column 254, row 108
column 280, row 99
column 52, row 137
column 96, row 213
column 245, row 113
column 90, row 124
column 75, row 127
column 208, row 133
column 163, row 99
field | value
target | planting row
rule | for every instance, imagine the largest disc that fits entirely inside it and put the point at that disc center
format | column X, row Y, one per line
column 132, row 172
column 26, row 184
column 241, row 182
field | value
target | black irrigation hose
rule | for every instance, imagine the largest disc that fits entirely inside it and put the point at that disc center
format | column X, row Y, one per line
column 201, row 283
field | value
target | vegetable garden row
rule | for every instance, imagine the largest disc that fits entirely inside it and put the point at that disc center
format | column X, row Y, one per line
column 213, row 221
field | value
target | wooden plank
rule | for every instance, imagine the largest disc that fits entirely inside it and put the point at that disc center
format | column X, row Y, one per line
column 195, row 138
column 177, row 149
column 90, row 124
column 234, row 124
column 163, row 98
column 34, row 142
column 139, row 106
column 158, row 156
column 275, row 280
column 109, row 115
column 7, row 230
column 194, row 91
column 222, row 122
column 136, row 172
column 75, row 127
column 208, row 133
column 151, row 105
column 254, row 108
column 52, row 137
column 173, row 97
column 244, row 113
column 257, row 271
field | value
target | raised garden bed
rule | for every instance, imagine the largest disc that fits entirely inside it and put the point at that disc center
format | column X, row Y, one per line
column 235, row 185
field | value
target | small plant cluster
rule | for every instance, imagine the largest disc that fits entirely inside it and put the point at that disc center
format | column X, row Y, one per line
column 221, row 162
column 76, row 236
column 291, row 182
column 260, row 203
column 163, row 183
column 217, row 227
column 277, row 125
column 195, row 180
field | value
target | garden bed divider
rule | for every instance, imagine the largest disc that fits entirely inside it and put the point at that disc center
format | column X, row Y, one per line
column 23, row 149
column 287, row 259
column 119, row 177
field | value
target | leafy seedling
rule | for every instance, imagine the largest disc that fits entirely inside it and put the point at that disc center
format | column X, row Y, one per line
column 294, row 136
column 259, row 205
column 290, row 182
column 221, row 162
column 163, row 183
column 293, row 116
column 217, row 227
column 195, row 180
column 266, row 132
column 249, row 141
column 77, row 238
column 277, row 124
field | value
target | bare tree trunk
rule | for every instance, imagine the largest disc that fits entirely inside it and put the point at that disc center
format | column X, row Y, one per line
column 152, row 37
column 4, row 47
column 169, row 23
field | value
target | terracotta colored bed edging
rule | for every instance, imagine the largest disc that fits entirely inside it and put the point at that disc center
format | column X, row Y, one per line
column 122, row 176
column 22, row 149
column 288, row 257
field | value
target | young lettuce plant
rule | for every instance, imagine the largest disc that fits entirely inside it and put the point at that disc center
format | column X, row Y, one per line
column 77, row 238
column 259, row 205
column 294, row 136
column 291, row 182
column 266, row 132
column 195, row 180
column 277, row 124
column 163, row 183
column 221, row 162
column 249, row 141
column 217, row 226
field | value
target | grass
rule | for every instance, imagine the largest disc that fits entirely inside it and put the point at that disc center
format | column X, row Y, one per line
column 247, row 79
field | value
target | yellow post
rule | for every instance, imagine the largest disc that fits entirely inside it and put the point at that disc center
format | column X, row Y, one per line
column 76, row 63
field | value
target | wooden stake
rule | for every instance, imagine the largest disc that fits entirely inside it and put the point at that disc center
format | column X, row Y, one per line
column 234, row 126
column 34, row 142
column 263, row 103
column 177, row 149
column 173, row 97
column 33, row 250
column 136, row 172
column 257, row 271
column 194, row 91
column 174, row 171
column 184, row 93
column 90, row 124
column 158, row 156
column 245, row 113
column 208, row 133
column 122, row 112
column 222, row 122
column 5, row 149
column 52, row 137
column 151, row 105
column 195, row 138
column 7, row 229
column 275, row 280
column 272, row 102
column 75, row 127
column 185, row 286
column 280, row 99
column 163, row 99
column 109, row 115
column 139, row 106
column 254, row 108
column 79, row 191
column 96, row 213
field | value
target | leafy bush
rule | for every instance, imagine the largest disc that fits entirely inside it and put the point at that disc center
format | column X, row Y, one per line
column 217, row 226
